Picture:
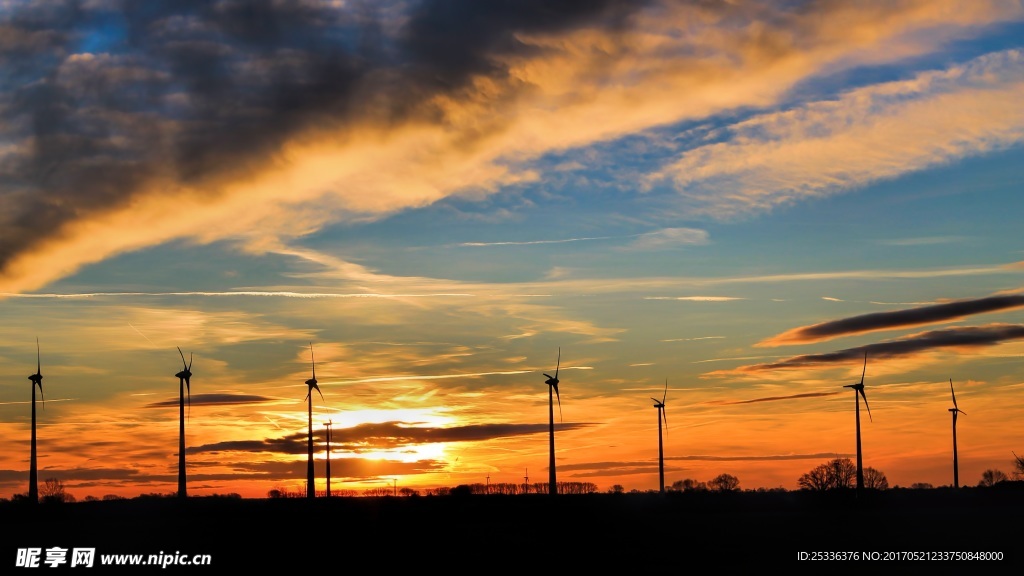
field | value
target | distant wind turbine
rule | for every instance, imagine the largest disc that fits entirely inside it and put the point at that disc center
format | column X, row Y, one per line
column 552, row 383
column 310, row 478
column 858, row 393
column 660, row 405
column 184, row 387
column 954, row 411
column 33, row 473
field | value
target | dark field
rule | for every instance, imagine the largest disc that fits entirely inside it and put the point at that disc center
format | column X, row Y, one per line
column 609, row 533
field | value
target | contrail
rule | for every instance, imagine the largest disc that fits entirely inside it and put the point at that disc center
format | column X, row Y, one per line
column 143, row 335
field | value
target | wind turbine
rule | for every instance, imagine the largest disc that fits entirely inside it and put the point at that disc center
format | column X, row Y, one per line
column 954, row 411
column 858, row 393
column 329, row 424
column 183, row 386
column 33, row 475
column 552, row 383
column 660, row 405
column 310, row 479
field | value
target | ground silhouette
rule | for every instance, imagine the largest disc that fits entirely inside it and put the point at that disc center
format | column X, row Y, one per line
column 675, row 530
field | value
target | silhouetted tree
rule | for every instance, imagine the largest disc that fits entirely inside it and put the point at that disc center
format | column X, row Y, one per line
column 577, row 487
column 617, row 489
column 921, row 486
column 1018, row 464
column 52, row 490
column 724, row 483
column 815, row 479
column 688, row 485
column 379, row 491
column 875, row 479
column 461, row 490
column 992, row 477
column 834, row 474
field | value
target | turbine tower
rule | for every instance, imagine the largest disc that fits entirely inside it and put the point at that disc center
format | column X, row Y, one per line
column 183, row 387
column 33, row 473
column 954, row 411
column 660, row 405
column 552, row 383
column 329, row 424
column 310, row 478
column 858, row 393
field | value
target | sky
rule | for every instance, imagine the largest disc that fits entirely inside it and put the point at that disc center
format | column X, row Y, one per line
column 728, row 205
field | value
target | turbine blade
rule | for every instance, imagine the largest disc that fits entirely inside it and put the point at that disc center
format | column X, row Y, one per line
column 39, row 365
column 664, row 417
column 665, row 395
column 182, row 358
column 189, row 361
column 318, row 391
column 558, row 363
column 865, row 370
column 312, row 359
column 864, row 396
column 559, row 403
column 951, row 392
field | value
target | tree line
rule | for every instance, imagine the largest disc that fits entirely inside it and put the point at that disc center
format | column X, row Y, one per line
column 835, row 474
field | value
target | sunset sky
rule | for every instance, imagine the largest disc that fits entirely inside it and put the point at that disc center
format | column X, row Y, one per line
column 738, row 198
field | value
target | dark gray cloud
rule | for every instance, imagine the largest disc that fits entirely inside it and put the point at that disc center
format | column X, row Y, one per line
column 959, row 337
column 377, row 436
column 213, row 400
column 100, row 100
column 341, row 469
column 774, row 398
column 818, row 456
column 82, row 474
column 896, row 319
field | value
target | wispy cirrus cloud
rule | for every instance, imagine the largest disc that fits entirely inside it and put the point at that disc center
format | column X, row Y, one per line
column 668, row 238
column 239, row 293
column 539, row 242
column 696, row 298
column 922, row 241
column 879, row 321
column 869, row 134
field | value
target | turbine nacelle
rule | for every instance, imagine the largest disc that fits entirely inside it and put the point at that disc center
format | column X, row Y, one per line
column 858, row 388
column 954, row 409
column 552, row 381
column 312, row 382
column 186, row 375
column 37, row 378
column 312, row 386
column 660, row 404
